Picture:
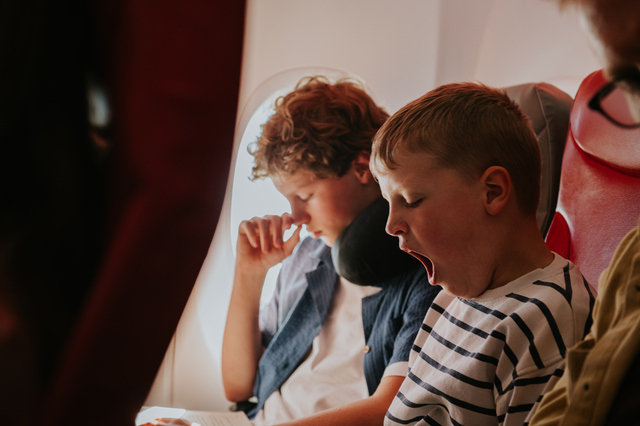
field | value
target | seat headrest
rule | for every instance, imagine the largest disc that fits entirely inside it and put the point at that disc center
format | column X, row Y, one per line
column 365, row 254
column 548, row 108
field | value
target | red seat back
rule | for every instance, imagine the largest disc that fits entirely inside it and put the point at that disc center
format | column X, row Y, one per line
column 173, row 75
column 599, row 196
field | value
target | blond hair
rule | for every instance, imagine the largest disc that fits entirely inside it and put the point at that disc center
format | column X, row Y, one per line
column 467, row 127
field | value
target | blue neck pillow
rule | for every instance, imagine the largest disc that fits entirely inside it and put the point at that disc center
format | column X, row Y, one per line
column 365, row 254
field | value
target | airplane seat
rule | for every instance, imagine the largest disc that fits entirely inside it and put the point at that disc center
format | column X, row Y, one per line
column 548, row 109
column 599, row 196
column 166, row 175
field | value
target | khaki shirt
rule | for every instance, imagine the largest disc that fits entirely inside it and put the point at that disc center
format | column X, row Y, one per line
column 596, row 366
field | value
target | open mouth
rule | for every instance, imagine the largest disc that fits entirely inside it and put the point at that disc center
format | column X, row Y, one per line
column 426, row 262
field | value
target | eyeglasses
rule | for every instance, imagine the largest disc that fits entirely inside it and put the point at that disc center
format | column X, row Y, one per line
column 619, row 101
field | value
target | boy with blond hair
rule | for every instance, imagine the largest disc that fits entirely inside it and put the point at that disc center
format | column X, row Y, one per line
column 460, row 168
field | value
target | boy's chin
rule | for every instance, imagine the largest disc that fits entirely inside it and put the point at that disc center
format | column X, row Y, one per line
column 327, row 240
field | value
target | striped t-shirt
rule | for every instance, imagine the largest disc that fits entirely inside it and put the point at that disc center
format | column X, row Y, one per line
column 487, row 360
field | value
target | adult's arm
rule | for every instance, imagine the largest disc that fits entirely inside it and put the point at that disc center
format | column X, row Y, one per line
column 553, row 406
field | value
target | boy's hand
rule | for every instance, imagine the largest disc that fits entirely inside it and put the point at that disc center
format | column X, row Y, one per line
column 261, row 244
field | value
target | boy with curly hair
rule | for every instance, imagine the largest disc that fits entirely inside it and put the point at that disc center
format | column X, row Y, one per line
column 329, row 348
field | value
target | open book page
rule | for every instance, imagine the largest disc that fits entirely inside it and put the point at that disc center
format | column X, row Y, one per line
column 210, row 418
column 203, row 418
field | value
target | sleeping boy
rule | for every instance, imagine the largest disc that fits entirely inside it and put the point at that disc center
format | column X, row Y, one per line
column 460, row 167
column 331, row 347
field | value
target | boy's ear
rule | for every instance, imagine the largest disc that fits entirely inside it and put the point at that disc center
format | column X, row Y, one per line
column 361, row 167
column 497, row 187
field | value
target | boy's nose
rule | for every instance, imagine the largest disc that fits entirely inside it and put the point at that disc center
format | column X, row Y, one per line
column 300, row 216
column 395, row 226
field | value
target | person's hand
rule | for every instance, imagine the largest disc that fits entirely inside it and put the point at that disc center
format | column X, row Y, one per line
column 165, row 421
column 261, row 244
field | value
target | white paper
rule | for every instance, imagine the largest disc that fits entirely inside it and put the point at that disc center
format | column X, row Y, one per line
column 203, row 418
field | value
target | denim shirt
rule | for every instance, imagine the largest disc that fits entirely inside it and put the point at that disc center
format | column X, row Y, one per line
column 391, row 318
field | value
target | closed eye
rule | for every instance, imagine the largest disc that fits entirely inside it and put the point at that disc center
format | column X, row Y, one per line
column 305, row 199
column 414, row 204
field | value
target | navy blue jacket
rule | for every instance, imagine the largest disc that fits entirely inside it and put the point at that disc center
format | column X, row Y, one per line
column 391, row 318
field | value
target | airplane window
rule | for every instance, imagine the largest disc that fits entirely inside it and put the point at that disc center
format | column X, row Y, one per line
column 190, row 373
column 257, row 198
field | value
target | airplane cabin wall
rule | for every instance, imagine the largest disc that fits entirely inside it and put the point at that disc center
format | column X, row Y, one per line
column 506, row 42
column 400, row 49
